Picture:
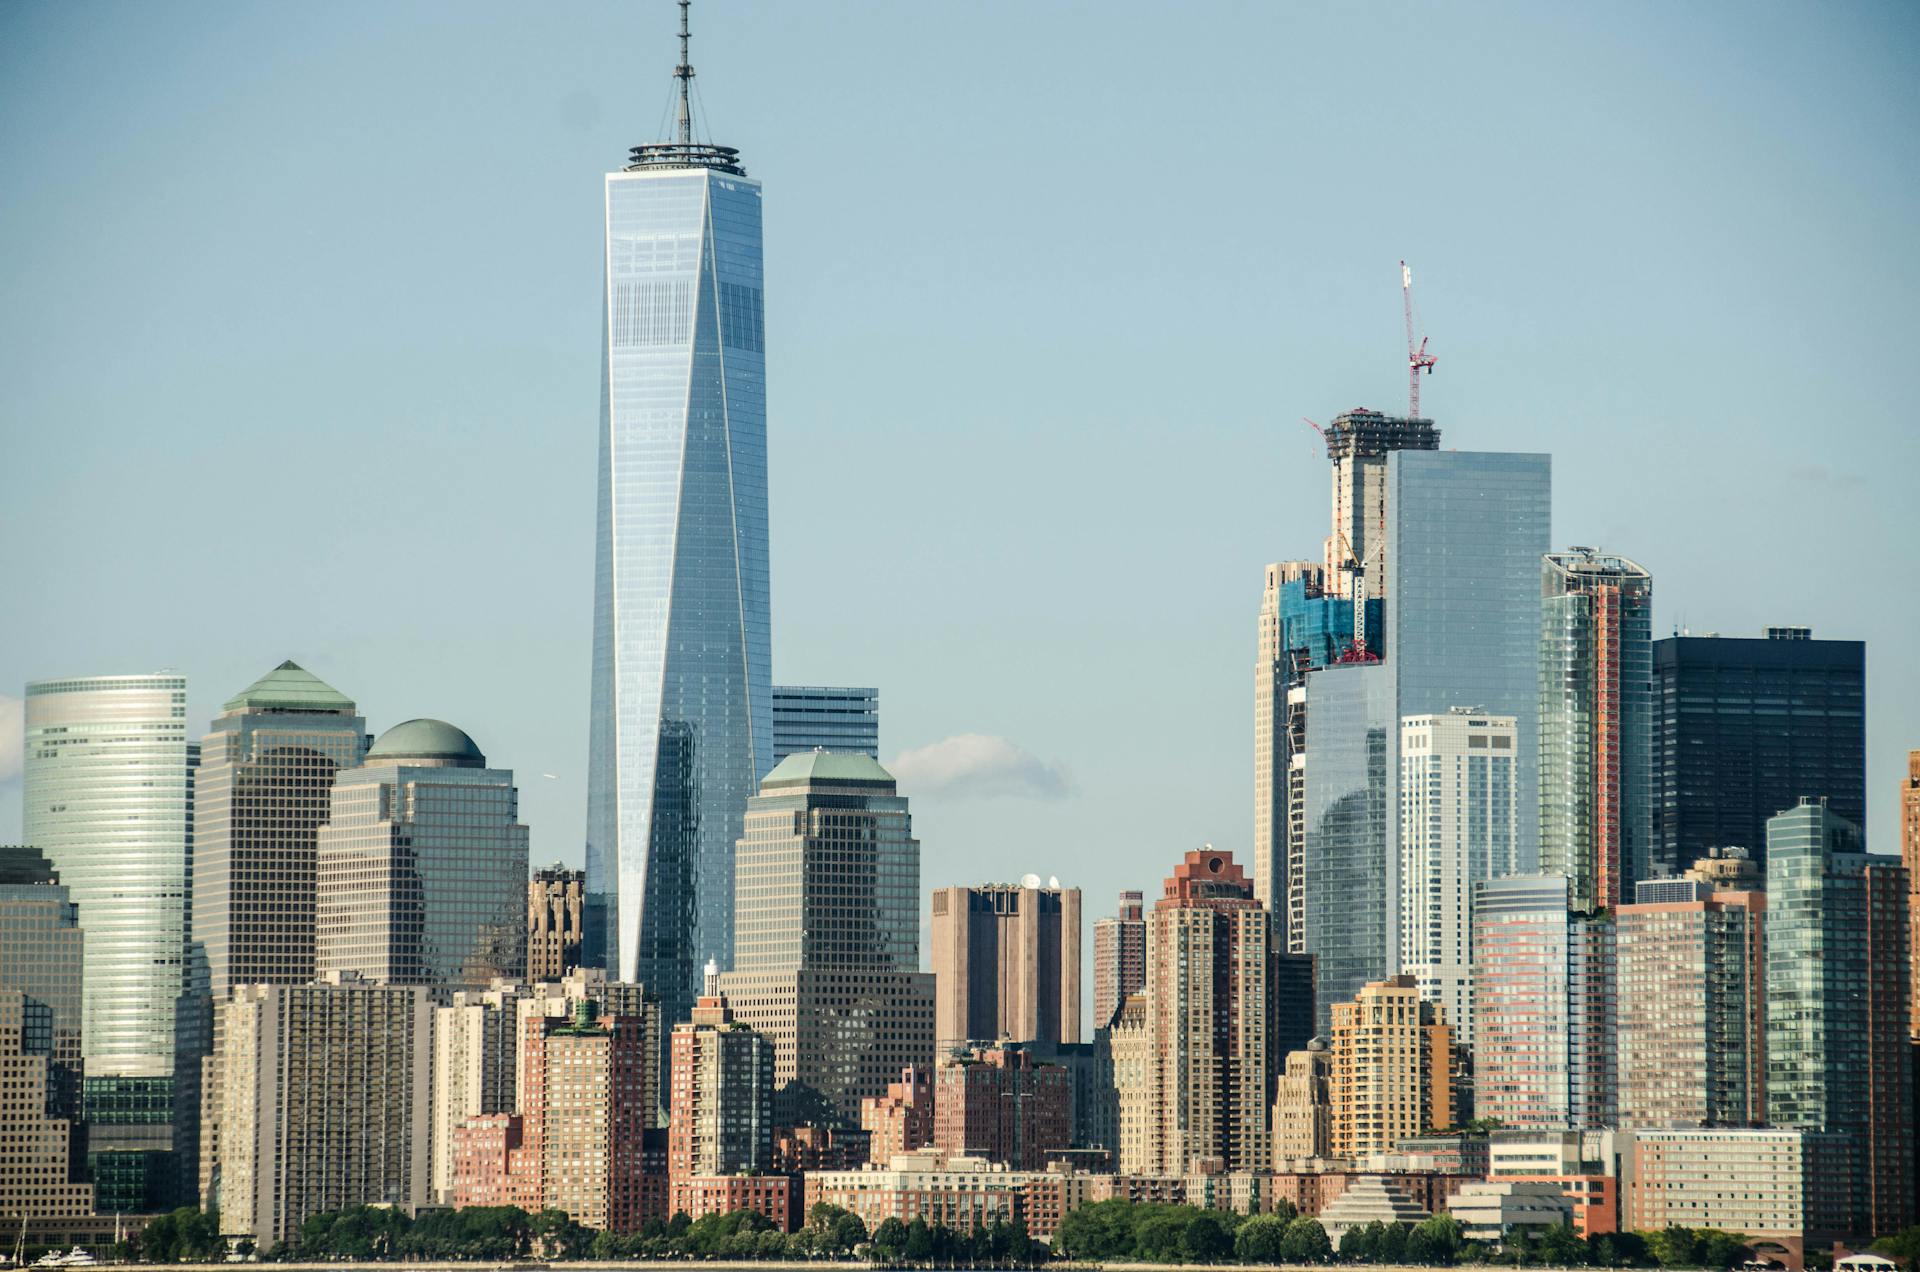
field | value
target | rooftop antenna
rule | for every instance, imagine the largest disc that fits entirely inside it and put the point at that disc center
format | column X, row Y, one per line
column 684, row 73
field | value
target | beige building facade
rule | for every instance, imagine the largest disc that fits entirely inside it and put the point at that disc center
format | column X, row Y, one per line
column 1006, row 963
column 36, row 1150
column 1302, row 1107
column 1390, row 1076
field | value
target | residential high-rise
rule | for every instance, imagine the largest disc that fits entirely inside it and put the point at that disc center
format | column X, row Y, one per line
column 1910, row 857
column 1746, row 727
column 1837, row 981
column 1466, row 532
column 37, row 1178
column 1692, row 1007
column 323, row 1102
column 900, row 1121
column 109, row 798
column 585, row 1105
column 1544, row 1016
column 41, row 957
column 1391, row 1069
column 421, row 864
column 1196, row 1075
column 1596, row 724
column 1459, row 825
column 476, row 1056
column 1006, row 963
column 1302, row 1106
column 1350, row 886
column 681, row 704
column 1119, row 958
column 1001, row 1104
column 262, row 793
column 1784, row 1191
column 722, row 1096
column 556, row 907
column 825, row 718
column 828, row 950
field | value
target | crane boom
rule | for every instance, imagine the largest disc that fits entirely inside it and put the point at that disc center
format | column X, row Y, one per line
column 1418, row 359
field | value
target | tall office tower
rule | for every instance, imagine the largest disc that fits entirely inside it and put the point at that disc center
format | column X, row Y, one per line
column 1199, row 1082
column 41, row 957
column 828, row 883
column 556, row 909
column 323, row 1102
column 1391, row 1072
column 824, row 718
column 1302, row 1106
column 1596, row 724
column 1358, row 444
column 1837, row 982
column 475, row 1057
column 108, row 797
column 421, row 864
column 1910, row 857
column 37, row 1179
column 682, row 709
column 722, row 1101
column 1119, row 958
column 587, row 1112
column 265, row 781
column 1748, row 726
column 1692, row 1013
column 1458, row 828
column 1003, row 1105
column 1466, row 532
column 1006, row 963
column 1544, row 1018
column 1350, row 885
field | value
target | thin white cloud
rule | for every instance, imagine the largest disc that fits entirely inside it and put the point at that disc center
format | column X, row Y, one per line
column 12, row 735
column 979, row 764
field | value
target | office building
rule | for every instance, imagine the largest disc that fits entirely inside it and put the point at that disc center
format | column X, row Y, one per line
column 1003, row 1105
column 722, row 1096
column 1359, row 446
column 556, row 910
column 1493, row 1210
column 1583, row 1165
column 1783, row 1190
column 1746, row 727
column 1728, row 869
column 476, row 1056
column 263, row 791
column 821, row 718
column 41, row 957
column 1838, row 1056
column 1596, row 724
column 1692, row 1007
column 1390, row 1076
column 323, row 1102
column 1006, row 963
column 1195, row 1073
column 37, row 1178
column 1351, row 888
column 421, row 864
column 1466, row 532
column 1302, row 1106
column 1459, row 824
column 828, row 950
column 1119, row 958
column 108, row 797
column 1544, row 1016
column 681, row 719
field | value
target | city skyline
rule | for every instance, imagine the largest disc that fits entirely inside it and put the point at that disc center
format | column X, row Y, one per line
column 1077, row 824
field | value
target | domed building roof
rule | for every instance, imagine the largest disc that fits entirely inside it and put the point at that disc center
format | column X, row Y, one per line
column 426, row 740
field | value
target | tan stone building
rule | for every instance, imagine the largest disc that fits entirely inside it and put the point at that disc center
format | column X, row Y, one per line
column 556, row 902
column 1006, row 963
column 1390, row 1076
column 1119, row 958
column 1196, row 1081
column 1302, row 1111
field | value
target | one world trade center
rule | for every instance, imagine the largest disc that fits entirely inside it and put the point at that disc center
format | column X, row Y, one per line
column 682, row 725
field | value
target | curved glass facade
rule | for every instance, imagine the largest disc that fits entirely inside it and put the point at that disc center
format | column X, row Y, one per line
column 682, row 726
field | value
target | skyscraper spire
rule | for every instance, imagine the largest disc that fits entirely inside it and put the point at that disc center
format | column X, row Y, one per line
column 684, row 73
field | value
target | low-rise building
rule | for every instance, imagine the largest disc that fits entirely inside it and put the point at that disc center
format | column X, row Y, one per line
column 1583, row 1164
column 955, row 1191
column 1493, row 1209
column 769, row 1195
column 1369, row 1199
column 1785, row 1189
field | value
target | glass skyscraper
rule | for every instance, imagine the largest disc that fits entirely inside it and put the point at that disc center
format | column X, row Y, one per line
column 682, row 720
column 825, row 718
column 1350, row 881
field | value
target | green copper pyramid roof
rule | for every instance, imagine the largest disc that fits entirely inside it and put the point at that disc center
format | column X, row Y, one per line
column 827, row 766
column 291, row 687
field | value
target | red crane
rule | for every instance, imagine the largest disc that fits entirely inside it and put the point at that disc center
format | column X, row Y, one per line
column 1418, row 359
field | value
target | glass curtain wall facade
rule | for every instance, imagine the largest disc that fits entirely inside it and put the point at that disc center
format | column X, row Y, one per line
column 1466, row 531
column 1351, row 881
column 681, row 722
column 109, row 799
column 821, row 717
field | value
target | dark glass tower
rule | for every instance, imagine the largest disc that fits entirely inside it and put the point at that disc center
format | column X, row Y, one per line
column 1745, row 727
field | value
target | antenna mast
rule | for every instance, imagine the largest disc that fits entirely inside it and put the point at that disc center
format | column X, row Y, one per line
column 1418, row 359
column 684, row 73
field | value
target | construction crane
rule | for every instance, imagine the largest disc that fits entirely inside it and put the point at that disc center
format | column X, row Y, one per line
column 1418, row 359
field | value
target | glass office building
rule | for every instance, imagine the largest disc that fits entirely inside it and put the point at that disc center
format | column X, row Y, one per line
column 681, row 716
column 825, row 718
column 1466, row 534
column 1351, row 880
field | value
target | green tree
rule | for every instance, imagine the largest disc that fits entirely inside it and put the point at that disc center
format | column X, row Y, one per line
column 919, row 1246
column 1258, row 1238
column 1903, row 1246
column 1206, row 1239
column 1722, row 1249
column 1358, row 1243
column 1561, row 1246
column 1435, row 1242
column 849, row 1231
column 889, row 1241
column 1306, row 1242
column 1675, row 1247
column 1392, row 1247
column 1157, row 1236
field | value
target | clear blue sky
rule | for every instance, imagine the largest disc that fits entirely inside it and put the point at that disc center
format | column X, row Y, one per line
column 298, row 351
